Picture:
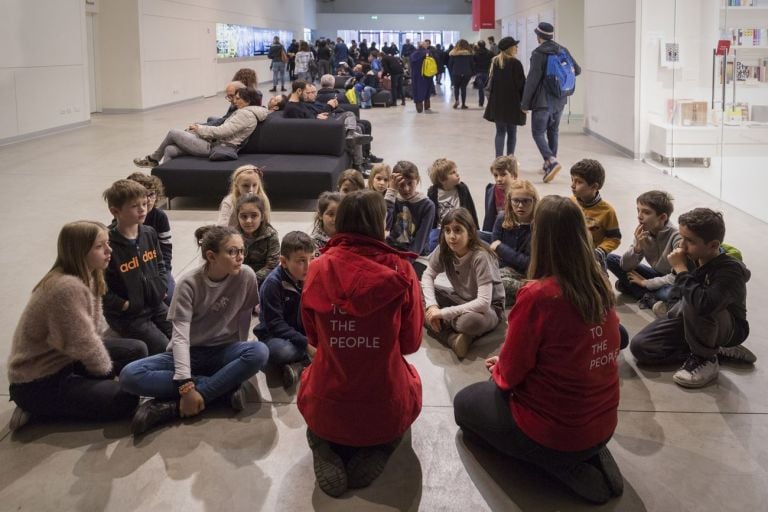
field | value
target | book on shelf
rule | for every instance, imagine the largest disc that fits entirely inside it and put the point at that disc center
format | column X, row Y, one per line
column 751, row 71
column 749, row 37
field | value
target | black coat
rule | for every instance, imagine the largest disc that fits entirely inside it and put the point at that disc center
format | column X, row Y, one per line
column 461, row 63
column 506, row 94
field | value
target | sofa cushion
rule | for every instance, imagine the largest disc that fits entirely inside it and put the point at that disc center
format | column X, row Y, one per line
column 296, row 137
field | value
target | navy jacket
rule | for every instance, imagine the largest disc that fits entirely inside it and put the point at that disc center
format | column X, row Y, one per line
column 280, row 308
column 515, row 247
column 490, row 208
column 465, row 201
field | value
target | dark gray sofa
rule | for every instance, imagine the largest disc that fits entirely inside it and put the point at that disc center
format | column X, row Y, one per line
column 300, row 158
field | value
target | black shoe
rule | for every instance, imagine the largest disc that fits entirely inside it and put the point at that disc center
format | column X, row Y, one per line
column 282, row 89
column 368, row 463
column 605, row 462
column 329, row 468
column 152, row 413
column 292, row 373
column 237, row 399
column 587, row 481
column 359, row 139
column 456, row 104
column 464, row 107
column 274, row 89
column 374, row 159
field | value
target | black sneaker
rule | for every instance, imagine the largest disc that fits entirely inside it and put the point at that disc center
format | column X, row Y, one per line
column 367, row 464
column 274, row 89
column 647, row 301
column 736, row 354
column 587, row 481
column 551, row 169
column 153, row 413
column 329, row 468
column 238, row 399
column 374, row 159
column 292, row 373
column 604, row 461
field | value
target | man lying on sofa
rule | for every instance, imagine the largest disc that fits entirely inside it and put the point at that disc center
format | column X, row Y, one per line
column 299, row 108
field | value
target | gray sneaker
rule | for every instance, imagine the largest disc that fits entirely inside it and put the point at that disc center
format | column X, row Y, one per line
column 697, row 372
column 736, row 354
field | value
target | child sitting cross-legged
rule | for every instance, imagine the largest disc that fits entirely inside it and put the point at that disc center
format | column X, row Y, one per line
column 587, row 178
column 409, row 213
column 280, row 316
column 247, row 179
column 512, row 237
column 262, row 246
column 655, row 238
column 475, row 303
column 709, row 323
column 504, row 171
column 325, row 219
column 447, row 193
column 379, row 178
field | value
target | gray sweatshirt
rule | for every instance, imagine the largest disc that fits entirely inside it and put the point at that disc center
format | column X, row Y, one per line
column 205, row 312
column 654, row 249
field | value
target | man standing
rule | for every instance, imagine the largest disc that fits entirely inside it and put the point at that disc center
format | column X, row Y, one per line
column 492, row 47
column 340, row 52
column 547, row 108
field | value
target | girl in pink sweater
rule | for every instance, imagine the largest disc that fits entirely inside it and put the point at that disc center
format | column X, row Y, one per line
column 60, row 366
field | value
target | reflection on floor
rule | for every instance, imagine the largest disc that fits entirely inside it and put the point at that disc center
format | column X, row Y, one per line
column 678, row 449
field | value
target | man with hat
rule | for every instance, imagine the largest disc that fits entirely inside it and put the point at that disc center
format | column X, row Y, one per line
column 547, row 109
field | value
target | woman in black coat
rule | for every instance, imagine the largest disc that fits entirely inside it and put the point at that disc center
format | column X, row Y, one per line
column 461, row 66
column 507, row 80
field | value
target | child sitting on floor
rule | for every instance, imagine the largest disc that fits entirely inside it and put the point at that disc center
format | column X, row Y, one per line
column 325, row 219
column 247, row 179
column 504, row 171
column 475, row 303
column 262, row 245
column 409, row 212
column 349, row 181
column 379, row 178
column 446, row 193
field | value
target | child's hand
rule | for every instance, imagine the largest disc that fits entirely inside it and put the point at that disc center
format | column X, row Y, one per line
column 637, row 279
column 433, row 318
column 395, row 180
column 641, row 234
column 677, row 259
column 322, row 116
column 191, row 404
column 495, row 244
column 491, row 363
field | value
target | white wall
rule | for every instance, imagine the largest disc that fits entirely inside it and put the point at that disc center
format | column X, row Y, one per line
column 519, row 17
column 43, row 66
column 609, row 69
column 328, row 24
column 156, row 52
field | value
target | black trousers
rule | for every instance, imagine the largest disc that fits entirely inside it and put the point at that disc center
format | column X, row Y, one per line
column 72, row 393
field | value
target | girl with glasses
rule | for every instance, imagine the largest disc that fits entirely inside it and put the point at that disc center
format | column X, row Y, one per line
column 512, row 237
column 209, row 356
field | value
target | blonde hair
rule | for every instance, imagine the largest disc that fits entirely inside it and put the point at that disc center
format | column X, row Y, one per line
column 353, row 176
column 561, row 247
column 510, row 217
column 234, row 193
column 375, row 171
column 75, row 241
column 440, row 169
column 500, row 60
column 506, row 163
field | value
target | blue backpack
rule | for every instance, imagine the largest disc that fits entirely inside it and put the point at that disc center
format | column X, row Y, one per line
column 560, row 79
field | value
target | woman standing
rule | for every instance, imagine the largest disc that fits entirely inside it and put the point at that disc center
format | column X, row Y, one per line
column 461, row 67
column 303, row 58
column 421, row 86
column 507, row 80
column 362, row 310
column 554, row 393
column 60, row 367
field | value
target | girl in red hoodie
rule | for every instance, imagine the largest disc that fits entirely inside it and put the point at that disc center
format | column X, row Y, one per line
column 554, row 392
column 359, row 395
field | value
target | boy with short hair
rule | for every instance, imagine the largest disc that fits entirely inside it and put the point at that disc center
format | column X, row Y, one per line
column 504, row 171
column 280, row 313
column 410, row 213
column 587, row 178
column 710, row 321
column 136, row 275
column 447, row 193
column 654, row 238
column 157, row 219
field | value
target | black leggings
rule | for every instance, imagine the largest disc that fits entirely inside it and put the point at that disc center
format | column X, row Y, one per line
column 460, row 88
column 72, row 393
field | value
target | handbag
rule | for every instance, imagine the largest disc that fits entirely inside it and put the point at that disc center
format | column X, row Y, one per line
column 386, row 83
column 222, row 152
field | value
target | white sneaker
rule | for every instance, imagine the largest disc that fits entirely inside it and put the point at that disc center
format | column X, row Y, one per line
column 660, row 309
column 697, row 372
column 19, row 418
column 738, row 354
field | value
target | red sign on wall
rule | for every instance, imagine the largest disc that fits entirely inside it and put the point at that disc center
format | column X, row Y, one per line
column 483, row 14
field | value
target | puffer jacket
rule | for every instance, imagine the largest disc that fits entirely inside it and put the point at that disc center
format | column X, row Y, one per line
column 236, row 128
column 461, row 63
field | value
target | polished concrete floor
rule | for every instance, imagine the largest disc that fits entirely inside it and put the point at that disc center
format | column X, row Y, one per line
column 678, row 449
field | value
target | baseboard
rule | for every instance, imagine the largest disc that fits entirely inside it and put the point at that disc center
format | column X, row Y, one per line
column 614, row 145
column 43, row 133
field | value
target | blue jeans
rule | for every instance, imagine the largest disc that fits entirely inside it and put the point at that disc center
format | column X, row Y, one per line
column 282, row 351
column 614, row 265
column 508, row 130
column 365, row 96
column 216, row 370
column 545, row 126
column 278, row 72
